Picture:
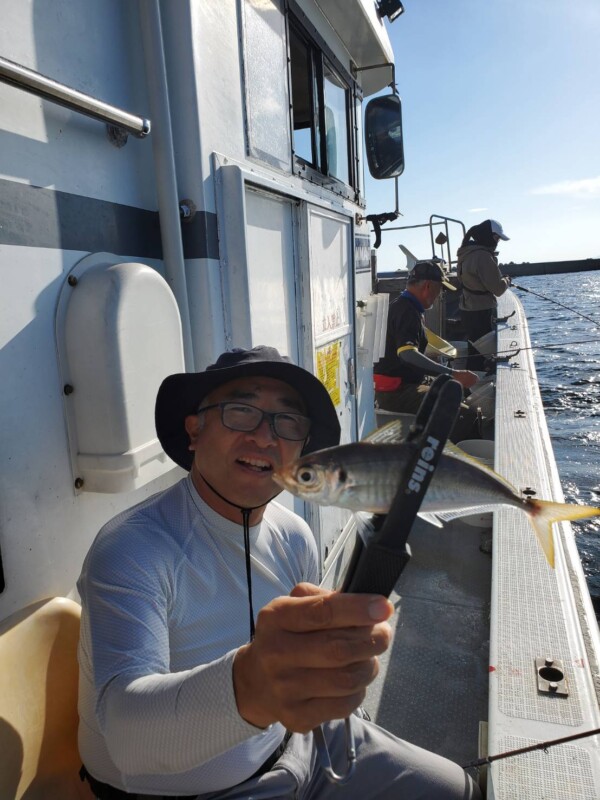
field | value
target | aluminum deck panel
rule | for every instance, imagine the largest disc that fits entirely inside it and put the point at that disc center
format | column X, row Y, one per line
column 432, row 686
column 536, row 611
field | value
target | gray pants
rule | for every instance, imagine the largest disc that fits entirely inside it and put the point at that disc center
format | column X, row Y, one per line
column 386, row 767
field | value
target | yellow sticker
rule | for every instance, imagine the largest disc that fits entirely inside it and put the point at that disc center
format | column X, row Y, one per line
column 328, row 370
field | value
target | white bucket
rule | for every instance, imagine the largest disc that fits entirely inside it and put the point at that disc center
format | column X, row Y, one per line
column 483, row 396
column 486, row 344
column 482, row 450
column 462, row 350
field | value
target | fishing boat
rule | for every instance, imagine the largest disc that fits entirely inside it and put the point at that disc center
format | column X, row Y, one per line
column 181, row 178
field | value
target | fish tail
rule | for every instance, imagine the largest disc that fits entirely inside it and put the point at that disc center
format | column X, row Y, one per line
column 543, row 513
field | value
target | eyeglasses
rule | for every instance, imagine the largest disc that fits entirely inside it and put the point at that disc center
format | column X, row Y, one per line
column 244, row 417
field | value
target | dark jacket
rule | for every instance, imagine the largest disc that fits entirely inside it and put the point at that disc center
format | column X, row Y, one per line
column 405, row 330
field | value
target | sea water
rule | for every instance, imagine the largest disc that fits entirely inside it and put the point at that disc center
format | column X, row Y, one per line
column 569, row 378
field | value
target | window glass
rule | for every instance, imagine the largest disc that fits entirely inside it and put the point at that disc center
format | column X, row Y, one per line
column 267, row 100
column 303, row 99
column 323, row 137
column 359, row 163
column 336, row 124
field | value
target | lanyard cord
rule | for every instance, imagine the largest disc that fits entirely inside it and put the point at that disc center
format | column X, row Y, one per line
column 246, row 524
column 246, row 511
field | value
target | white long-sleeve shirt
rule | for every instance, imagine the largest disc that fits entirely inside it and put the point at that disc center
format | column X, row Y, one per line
column 164, row 609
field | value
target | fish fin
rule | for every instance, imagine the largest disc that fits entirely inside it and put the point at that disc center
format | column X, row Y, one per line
column 365, row 524
column 432, row 519
column 450, row 447
column 454, row 451
column 543, row 513
column 390, row 433
column 465, row 511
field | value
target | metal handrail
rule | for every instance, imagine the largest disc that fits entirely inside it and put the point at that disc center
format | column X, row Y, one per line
column 444, row 221
column 40, row 85
column 431, row 224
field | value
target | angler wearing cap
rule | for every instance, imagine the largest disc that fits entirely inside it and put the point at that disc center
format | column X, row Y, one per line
column 481, row 280
column 204, row 635
column 399, row 376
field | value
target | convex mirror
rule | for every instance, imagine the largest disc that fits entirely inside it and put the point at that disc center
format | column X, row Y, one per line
column 383, row 137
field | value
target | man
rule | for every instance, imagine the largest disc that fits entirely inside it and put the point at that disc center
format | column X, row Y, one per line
column 399, row 376
column 184, row 691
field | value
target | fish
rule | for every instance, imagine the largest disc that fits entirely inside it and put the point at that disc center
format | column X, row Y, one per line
column 365, row 477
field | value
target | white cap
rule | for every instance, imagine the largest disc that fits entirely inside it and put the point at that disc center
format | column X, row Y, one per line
column 497, row 229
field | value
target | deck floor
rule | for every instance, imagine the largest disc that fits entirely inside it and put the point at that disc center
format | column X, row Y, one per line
column 439, row 655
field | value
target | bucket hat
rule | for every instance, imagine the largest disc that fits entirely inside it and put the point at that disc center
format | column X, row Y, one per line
column 429, row 271
column 180, row 395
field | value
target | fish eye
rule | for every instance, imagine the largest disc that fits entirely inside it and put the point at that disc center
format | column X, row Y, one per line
column 307, row 476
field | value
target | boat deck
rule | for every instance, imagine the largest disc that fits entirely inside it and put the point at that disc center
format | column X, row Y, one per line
column 433, row 685
column 536, row 611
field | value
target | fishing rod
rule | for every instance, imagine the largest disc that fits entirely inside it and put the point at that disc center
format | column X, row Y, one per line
column 516, row 350
column 562, row 305
column 511, row 352
column 377, row 563
column 481, row 762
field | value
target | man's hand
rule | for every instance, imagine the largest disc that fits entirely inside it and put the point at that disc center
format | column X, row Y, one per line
column 464, row 377
column 313, row 655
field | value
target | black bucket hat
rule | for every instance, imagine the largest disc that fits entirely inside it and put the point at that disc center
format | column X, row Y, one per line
column 180, row 395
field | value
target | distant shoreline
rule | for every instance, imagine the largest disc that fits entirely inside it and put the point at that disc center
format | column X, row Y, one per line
column 549, row 267
column 396, row 280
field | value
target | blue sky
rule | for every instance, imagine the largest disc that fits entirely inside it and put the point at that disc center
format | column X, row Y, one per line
column 501, row 118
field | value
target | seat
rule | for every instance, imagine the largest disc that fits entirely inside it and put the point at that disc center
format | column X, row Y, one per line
column 438, row 347
column 39, row 759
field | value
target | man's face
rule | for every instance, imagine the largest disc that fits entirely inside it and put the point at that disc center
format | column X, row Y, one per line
column 239, row 464
column 431, row 293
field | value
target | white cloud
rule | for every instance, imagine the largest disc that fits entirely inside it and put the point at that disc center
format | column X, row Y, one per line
column 587, row 187
column 476, row 210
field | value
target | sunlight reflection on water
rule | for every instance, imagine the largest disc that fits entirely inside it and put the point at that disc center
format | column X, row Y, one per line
column 569, row 377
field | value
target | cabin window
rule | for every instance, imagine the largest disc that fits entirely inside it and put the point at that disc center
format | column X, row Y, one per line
column 335, row 94
column 305, row 103
column 322, row 113
column 265, row 58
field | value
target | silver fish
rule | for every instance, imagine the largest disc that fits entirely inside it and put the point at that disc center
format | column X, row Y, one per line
column 365, row 476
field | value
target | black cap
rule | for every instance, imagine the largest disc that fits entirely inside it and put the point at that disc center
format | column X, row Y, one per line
column 429, row 271
column 180, row 395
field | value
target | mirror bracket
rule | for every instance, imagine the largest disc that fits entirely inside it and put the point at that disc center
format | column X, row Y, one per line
column 392, row 84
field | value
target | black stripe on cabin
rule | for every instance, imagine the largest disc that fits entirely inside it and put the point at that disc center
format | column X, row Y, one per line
column 31, row 216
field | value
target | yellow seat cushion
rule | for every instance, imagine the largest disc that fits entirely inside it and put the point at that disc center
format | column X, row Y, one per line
column 39, row 674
